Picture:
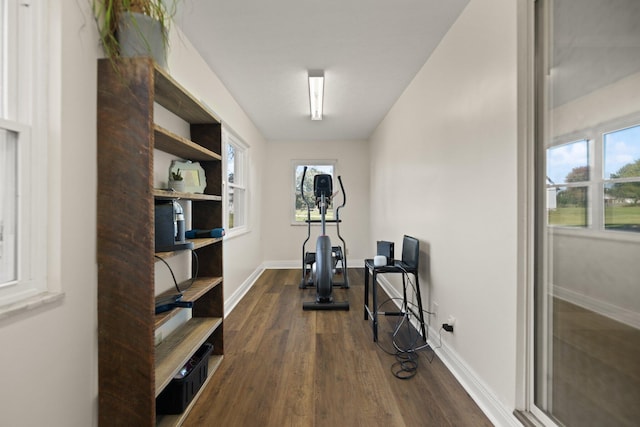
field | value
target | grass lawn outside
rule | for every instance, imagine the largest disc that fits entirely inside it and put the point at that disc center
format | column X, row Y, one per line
column 569, row 217
column 623, row 218
column 301, row 215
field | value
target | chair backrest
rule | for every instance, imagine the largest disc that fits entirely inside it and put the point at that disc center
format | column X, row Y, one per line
column 410, row 251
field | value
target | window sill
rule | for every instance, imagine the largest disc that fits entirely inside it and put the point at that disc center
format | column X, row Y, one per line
column 237, row 233
column 623, row 236
column 29, row 303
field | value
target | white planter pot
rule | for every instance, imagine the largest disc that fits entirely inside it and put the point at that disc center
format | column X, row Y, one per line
column 177, row 185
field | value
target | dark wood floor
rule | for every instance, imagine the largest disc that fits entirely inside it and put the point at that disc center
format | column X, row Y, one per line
column 596, row 369
column 287, row 367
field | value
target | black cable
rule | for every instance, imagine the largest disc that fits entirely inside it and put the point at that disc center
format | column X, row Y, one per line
column 440, row 339
column 195, row 270
column 406, row 366
column 175, row 282
column 406, row 356
column 196, row 260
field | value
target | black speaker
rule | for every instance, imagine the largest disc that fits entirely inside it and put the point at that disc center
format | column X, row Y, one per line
column 386, row 249
column 164, row 229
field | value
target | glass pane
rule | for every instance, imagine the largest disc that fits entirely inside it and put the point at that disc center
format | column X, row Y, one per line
column 587, row 299
column 236, row 209
column 621, row 207
column 238, row 169
column 568, row 162
column 622, row 153
column 231, row 208
column 239, row 207
column 301, row 203
column 621, row 162
column 8, row 207
column 571, row 206
column 231, row 163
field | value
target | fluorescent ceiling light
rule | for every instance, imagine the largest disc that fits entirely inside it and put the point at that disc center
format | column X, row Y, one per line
column 316, row 93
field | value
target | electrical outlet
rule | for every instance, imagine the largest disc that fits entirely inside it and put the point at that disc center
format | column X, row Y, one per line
column 436, row 309
column 451, row 320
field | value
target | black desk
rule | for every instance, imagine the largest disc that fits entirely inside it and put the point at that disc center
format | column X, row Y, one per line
column 397, row 267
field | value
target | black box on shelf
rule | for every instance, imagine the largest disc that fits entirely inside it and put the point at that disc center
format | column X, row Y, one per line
column 175, row 398
column 385, row 248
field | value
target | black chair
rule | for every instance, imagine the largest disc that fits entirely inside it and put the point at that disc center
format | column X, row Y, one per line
column 407, row 265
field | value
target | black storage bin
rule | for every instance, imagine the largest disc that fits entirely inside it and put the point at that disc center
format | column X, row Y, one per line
column 178, row 394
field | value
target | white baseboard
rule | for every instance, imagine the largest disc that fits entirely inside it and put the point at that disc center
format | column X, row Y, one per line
column 357, row 263
column 234, row 299
column 282, row 264
column 497, row 413
column 604, row 308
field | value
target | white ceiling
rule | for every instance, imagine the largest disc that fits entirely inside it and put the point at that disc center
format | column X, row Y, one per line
column 370, row 50
column 595, row 43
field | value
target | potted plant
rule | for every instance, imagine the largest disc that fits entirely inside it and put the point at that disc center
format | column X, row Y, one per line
column 134, row 27
column 176, row 181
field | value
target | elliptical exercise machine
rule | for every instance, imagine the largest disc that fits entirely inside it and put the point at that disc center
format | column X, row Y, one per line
column 320, row 266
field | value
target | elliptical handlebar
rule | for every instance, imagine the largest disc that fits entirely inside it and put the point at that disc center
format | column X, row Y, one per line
column 344, row 197
column 304, row 173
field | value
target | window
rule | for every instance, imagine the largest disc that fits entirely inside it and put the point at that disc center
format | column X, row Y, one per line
column 314, row 167
column 8, row 206
column 23, row 153
column 600, row 194
column 567, row 176
column 236, row 161
column 622, row 179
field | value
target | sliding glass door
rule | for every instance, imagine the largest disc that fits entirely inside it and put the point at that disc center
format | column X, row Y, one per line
column 587, row 284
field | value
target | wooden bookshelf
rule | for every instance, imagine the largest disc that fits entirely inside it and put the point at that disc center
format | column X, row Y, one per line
column 132, row 370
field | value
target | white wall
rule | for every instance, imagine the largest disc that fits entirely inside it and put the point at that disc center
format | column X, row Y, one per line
column 598, row 272
column 243, row 253
column 445, row 157
column 282, row 243
column 48, row 362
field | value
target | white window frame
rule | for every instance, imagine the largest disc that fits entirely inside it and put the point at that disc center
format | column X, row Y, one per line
column 595, row 185
column 577, row 184
column 612, row 128
column 294, row 191
column 240, row 184
column 25, row 83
